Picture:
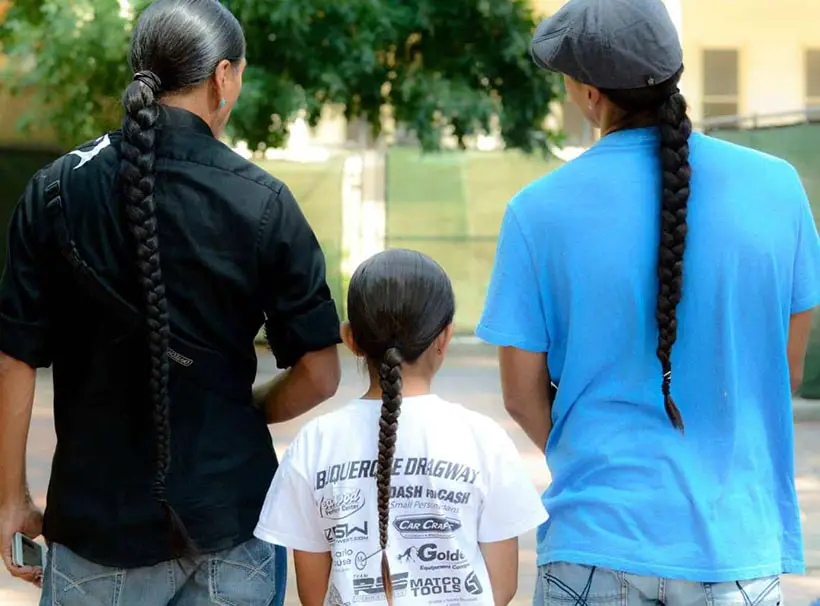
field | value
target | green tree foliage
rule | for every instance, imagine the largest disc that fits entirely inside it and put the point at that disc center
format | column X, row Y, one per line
column 437, row 64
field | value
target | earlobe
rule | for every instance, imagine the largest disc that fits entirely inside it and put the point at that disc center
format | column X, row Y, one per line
column 444, row 339
column 220, row 83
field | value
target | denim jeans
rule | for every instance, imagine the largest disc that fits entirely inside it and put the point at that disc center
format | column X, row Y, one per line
column 251, row 574
column 561, row 584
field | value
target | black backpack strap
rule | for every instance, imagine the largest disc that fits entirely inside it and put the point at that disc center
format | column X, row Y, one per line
column 85, row 275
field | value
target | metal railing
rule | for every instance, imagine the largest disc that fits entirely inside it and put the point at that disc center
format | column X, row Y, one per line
column 757, row 121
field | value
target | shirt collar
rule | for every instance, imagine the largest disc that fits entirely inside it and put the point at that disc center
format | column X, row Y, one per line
column 630, row 136
column 177, row 118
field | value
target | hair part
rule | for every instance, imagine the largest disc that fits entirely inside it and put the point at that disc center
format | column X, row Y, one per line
column 176, row 44
column 399, row 302
column 668, row 106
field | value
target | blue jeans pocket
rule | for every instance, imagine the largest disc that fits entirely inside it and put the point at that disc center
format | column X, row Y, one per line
column 244, row 576
column 70, row 580
column 757, row 592
column 564, row 583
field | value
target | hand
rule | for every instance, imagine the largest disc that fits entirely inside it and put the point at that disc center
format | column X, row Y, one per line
column 20, row 516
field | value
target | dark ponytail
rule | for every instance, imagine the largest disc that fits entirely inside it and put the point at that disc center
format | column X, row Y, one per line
column 666, row 105
column 176, row 46
column 399, row 302
column 390, row 379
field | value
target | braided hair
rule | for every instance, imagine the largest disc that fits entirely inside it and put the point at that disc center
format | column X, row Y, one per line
column 668, row 105
column 390, row 381
column 176, row 45
column 399, row 302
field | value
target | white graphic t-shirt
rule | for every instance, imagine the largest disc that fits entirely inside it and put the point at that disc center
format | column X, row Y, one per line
column 457, row 481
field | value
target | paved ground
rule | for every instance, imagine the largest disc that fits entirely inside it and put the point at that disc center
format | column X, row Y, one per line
column 470, row 377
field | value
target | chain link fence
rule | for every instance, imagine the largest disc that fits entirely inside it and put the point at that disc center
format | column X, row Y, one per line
column 449, row 205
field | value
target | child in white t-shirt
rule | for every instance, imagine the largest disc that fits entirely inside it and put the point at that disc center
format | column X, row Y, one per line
column 428, row 514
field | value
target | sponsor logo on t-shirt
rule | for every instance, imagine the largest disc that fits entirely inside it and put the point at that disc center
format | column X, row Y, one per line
column 433, row 557
column 412, row 466
column 472, row 585
column 449, row 585
column 426, row 526
column 342, row 533
column 342, row 505
column 343, row 558
column 362, row 558
column 369, row 589
column 459, row 497
column 411, row 554
column 417, row 505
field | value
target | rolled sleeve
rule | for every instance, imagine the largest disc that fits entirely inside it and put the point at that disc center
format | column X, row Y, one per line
column 24, row 322
column 300, row 313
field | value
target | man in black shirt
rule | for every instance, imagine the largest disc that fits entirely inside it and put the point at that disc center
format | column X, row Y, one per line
column 163, row 453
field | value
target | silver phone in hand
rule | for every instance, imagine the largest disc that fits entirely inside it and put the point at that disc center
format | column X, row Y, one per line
column 25, row 552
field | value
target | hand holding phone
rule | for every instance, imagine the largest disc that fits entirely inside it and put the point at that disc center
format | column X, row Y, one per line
column 26, row 553
column 23, row 517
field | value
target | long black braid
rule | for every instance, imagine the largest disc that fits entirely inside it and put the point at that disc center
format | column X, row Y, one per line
column 665, row 105
column 136, row 173
column 390, row 381
column 675, row 128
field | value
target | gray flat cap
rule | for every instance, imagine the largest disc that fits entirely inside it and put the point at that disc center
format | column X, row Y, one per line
column 614, row 44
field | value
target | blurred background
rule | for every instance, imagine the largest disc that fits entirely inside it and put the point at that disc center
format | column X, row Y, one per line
column 411, row 123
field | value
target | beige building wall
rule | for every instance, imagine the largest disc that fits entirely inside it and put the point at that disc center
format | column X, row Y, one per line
column 771, row 39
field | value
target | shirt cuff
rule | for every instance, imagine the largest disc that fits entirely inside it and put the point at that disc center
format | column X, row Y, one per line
column 520, row 525
column 806, row 303
column 503, row 340
column 24, row 342
column 313, row 330
column 290, row 541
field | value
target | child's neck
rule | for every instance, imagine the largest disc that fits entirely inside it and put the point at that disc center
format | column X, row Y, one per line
column 411, row 386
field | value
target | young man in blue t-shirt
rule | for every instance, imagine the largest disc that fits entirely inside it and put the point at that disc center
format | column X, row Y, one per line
column 664, row 280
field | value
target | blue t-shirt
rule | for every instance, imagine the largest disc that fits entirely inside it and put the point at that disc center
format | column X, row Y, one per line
column 576, row 277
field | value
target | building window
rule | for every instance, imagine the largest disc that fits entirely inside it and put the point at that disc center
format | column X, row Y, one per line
column 721, row 88
column 813, row 78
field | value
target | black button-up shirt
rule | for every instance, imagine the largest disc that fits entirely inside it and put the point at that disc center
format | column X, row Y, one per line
column 236, row 251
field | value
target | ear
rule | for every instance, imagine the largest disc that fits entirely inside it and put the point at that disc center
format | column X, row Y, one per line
column 220, row 79
column 442, row 341
column 593, row 95
column 347, row 338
